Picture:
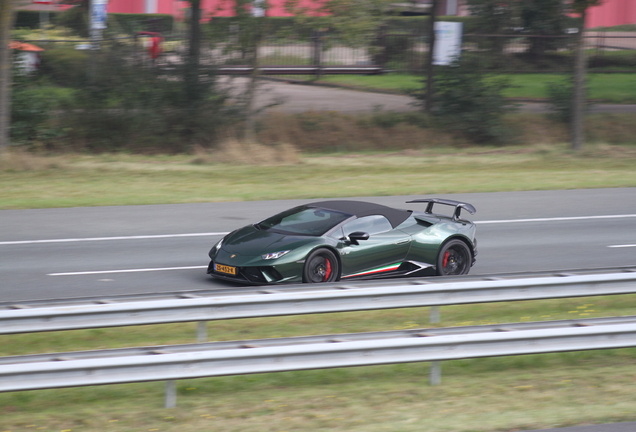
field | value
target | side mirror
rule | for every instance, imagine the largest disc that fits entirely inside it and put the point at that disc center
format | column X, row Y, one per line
column 356, row 236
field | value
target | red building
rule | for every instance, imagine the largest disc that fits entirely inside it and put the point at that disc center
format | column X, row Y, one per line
column 210, row 8
column 609, row 13
column 612, row 13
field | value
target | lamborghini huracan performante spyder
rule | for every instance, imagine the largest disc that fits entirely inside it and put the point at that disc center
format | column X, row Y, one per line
column 346, row 240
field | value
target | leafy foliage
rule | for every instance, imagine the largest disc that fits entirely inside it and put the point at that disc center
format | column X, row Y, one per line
column 493, row 16
column 354, row 21
column 545, row 18
column 560, row 99
column 471, row 102
column 31, row 109
column 117, row 104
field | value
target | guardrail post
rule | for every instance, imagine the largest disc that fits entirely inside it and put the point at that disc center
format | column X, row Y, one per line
column 171, row 394
column 436, row 373
column 202, row 331
column 317, row 51
column 435, row 315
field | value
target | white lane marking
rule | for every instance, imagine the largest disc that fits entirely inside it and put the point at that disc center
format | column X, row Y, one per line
column 557, row 219
column 126, row 271
column 141, row 237
column 224, row 233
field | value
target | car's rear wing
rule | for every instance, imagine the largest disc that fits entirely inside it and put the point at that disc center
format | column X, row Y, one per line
column 457, row 204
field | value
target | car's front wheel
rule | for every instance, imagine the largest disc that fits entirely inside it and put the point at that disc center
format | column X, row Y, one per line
column 455, row 258
column 321, row 266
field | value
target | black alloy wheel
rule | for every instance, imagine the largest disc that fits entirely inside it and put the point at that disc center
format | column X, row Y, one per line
column 321, row 266
column 454, row 259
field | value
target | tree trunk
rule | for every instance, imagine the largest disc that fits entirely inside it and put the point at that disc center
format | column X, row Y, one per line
column 428, row 106
column 578, row 99
column 6, row 65
column 194, row 52
column 249, row 134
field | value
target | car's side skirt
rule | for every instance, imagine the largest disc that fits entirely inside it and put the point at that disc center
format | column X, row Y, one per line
column 406, row 268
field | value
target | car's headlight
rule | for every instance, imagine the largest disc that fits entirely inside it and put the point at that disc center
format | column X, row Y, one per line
column 218, row 245
column 274, row 255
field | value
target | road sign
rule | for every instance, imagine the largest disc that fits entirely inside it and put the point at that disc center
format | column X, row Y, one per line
column 448, row 42
column 99, row 14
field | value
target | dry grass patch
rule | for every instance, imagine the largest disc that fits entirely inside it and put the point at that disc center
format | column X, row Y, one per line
column 326, row 131
column 17, row 160
column 244, row 172
column 234, row 151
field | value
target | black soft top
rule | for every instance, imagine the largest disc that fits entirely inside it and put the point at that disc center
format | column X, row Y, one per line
column 361, row 209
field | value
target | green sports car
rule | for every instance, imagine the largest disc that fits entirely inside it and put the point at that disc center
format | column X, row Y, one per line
column 346, row 240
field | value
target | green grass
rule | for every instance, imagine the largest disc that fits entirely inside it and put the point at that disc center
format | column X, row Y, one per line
column 480, row 395
column 134, row 180
column 497, row 394
column 618, row 28
column 610, row 88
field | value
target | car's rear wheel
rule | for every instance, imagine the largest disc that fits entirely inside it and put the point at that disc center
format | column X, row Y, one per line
column 455, row 258
column 321, row 266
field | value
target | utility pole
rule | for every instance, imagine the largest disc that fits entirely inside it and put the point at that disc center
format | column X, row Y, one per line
column 430, row 78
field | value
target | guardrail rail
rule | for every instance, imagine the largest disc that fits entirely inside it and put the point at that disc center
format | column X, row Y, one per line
column 332, row 298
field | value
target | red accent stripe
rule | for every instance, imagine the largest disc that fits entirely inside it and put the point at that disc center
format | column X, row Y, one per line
column 393, row 267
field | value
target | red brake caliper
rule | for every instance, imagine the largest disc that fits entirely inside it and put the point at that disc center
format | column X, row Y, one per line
column 327, row 270
column 445, row 260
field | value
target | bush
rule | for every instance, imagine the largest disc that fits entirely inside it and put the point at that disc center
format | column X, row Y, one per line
column 114, row 99
column 560, row 99
column 33, row 105
column 124, row 105
column 471, row 102
column 64, row 65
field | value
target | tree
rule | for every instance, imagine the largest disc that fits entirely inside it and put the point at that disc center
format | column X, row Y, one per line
column 76, row 17
column 354, row 21
column 578, row 101
column 7, row 16
column 469, row 101
column 544, row 18
column 493, row 17
column 194, row 52
column 252, row 27
column 6, row 65
column 351, row 21
column 428, row 105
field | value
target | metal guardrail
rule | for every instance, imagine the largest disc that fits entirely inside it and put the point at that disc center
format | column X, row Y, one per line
column 305, row 340
column 234, row 290
column 336, row 298
column 338, row 352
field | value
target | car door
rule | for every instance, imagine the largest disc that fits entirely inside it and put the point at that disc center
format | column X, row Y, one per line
column 382, row 252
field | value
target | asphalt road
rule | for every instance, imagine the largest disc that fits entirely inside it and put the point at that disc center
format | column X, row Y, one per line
column 55, row 253
column 71, row 252
column 300, row 98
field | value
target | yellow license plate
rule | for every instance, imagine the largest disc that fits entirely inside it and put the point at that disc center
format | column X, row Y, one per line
column 225, row 269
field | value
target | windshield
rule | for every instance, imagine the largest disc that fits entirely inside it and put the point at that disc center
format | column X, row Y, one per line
column 310, row 221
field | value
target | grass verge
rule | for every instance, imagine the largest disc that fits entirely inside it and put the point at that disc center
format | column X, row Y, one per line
column 490, row 394
column 608, row 88
column 485, row 395
column 72, row 181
